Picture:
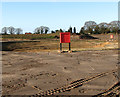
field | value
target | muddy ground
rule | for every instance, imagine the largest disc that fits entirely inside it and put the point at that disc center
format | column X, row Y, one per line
column 49, row 70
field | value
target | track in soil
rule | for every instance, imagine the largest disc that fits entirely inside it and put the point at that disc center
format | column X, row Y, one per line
column 72, row 85
column 113, row 91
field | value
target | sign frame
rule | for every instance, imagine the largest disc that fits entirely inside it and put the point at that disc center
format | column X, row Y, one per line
column 65, row 38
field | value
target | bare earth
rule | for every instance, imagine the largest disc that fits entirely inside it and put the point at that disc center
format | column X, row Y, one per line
column 40, row 65
column 48, row 70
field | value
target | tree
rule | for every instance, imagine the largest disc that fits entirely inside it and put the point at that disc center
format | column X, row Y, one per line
column 115, row 30
column 41, row 30
column 4, row 30
column 37, row 30
column 82, row 30
column 74, row 30
column 90, row 31
column 56, row 31
column 89, row 27
column 90, row 24
column 18, row 31
column 61, row 30
column 107, row 30
column 114, row 26
column 11, row 30
column 70, row 29
column 46, row 29
column 97, row 30
column 102, row 27
column 52, row 31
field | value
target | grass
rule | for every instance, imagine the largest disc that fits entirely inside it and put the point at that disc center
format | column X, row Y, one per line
column 31, row 36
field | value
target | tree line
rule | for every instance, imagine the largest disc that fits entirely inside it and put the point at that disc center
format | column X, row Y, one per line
column 90, row 27
column 11, row 30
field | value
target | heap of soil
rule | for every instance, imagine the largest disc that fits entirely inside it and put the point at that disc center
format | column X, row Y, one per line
column 87, row 36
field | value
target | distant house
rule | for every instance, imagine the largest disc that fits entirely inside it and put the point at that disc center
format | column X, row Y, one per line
column 28, row 33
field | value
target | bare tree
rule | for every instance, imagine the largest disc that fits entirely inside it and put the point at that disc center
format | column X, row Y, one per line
column 41, row 30
column 37, row 30
column 103, row 28
column 46, row 29
column 114, row 26
column 90, row 24
column 11, row 30
column 5, row 30
column 103, row 24
column 18, row 31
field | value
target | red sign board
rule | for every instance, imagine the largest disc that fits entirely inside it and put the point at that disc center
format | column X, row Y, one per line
column 65, row 37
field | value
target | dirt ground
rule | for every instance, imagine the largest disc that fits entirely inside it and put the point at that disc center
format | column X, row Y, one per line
column 48, row 70
column 77, row 44
column 21, row 70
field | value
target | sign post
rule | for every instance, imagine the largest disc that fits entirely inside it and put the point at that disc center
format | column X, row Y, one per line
column 69, row 47
column 65, row 38
column 60, row 46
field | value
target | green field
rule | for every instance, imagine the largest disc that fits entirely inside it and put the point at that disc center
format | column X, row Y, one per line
column 31, row 36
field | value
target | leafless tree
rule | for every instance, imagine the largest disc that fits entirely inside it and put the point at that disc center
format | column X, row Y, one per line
column 5, row 30
column 18, row 31
column 46, row 29
column 41, row 30
column 113, row 25
column 90, row 24
column 37, row 30
column 103, row 24
column 11, row 30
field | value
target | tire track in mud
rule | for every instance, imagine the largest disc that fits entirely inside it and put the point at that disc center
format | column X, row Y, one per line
column 113, row 91
column 72, row 85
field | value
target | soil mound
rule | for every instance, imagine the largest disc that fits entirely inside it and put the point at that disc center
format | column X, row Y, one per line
column 87, row 36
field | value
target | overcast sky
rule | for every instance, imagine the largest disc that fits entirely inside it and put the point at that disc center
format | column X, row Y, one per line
column 56, row 15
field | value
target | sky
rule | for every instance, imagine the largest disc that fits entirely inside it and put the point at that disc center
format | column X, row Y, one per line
column 56, row 15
